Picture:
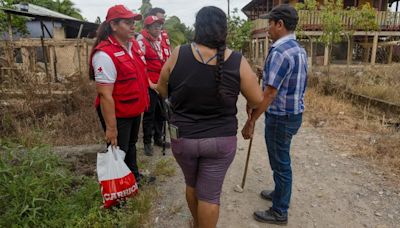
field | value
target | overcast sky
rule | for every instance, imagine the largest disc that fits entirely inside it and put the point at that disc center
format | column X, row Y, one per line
column 184, row 9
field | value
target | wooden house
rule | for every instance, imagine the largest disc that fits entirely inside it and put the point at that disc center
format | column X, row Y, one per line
column 386, row 38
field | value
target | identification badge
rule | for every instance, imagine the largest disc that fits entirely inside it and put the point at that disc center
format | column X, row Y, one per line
column 173, row 131
column 166, row 51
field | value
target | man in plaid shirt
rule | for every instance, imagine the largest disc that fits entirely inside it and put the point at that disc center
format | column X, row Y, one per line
column 284, row 83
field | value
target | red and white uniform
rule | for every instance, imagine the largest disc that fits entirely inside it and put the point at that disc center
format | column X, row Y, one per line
column 156, row 54
column 126, row 69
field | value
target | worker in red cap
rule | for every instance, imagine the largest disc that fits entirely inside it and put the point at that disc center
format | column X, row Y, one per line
column 119, row 68
column 165, row 42
column 155, row 53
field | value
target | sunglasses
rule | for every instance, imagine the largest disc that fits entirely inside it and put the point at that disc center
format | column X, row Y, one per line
column 158, row 27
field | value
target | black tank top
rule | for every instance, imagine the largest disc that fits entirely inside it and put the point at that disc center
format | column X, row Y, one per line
column 198, row 111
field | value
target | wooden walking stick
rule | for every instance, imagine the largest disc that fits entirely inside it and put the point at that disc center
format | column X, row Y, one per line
column 239, row 188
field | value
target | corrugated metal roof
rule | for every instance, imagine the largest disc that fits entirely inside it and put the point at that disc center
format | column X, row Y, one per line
column 38, row 10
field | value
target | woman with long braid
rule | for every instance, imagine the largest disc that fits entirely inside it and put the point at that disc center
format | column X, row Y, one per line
column 203, row 81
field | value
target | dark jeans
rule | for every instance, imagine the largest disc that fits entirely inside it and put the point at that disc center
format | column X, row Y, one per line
column 153, row 119
column 128, row 130
column 279, row 131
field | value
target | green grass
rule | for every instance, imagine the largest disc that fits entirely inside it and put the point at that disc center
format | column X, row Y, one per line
column 38, row 190
column 165, row 167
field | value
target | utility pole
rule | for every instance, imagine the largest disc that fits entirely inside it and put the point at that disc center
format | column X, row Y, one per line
column 229, row 8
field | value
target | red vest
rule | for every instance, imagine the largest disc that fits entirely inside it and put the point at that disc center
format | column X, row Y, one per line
column 165, row 44
column 130, row 92
column 153, row 60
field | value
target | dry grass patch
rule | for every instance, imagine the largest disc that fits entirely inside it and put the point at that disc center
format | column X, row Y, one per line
column 354, row 129
column 32, row 118
column 377, row 82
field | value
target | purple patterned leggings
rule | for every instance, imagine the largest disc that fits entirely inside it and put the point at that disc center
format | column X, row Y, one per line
column 204, row 163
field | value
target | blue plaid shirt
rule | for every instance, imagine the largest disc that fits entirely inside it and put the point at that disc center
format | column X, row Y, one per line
column 286, row 70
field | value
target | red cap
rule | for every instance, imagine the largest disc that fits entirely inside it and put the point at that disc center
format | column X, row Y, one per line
column 120, row 11
column 153, row 19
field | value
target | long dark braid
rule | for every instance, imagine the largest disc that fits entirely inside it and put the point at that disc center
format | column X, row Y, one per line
column 211, row 29
column 220, row 70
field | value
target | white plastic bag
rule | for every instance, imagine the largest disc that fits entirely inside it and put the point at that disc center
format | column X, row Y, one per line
column 116, row 180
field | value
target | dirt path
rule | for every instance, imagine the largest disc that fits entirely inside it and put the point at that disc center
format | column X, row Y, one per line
column 331, row 188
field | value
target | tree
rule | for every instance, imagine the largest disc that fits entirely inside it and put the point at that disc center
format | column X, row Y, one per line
column 331, row 17
column 177, row 31
column 332, row 22
column 145, row 8
column 98, row 20
column 17, row 23
column 238, row 31
column 68, row 8
column 365, row 18
column 189, row 34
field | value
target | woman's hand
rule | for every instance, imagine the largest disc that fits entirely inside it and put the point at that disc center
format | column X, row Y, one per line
column 111, row 136
column 153, row 86
column 249, row 111
column 248, row 129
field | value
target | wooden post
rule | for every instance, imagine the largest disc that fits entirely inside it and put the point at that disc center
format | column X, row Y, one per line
column 390, row 54
column 78, row 49
column 44, row 51
column 53, row 54
column 257, row 50
column 266, row 45
column 229, row 8
column 366, row 50
column 349, row 50
column 33, row 58
column 10, row 48
column 55, row 64
column 53, row 69
column 87, row 57
column 397, row 10
column 326, row 55
column 26, row 62
column 310, row 62
column 374, row 49
column 10, row 31
column 251, row 49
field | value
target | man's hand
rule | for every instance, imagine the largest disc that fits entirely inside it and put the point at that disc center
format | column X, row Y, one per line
column 248, row 129
column 111, row 136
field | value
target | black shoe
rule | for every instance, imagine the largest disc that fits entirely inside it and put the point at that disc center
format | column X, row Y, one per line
column 267, row 194
column 146, row 180
column 270, row 216
column 148, row 149
column 159, row 142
